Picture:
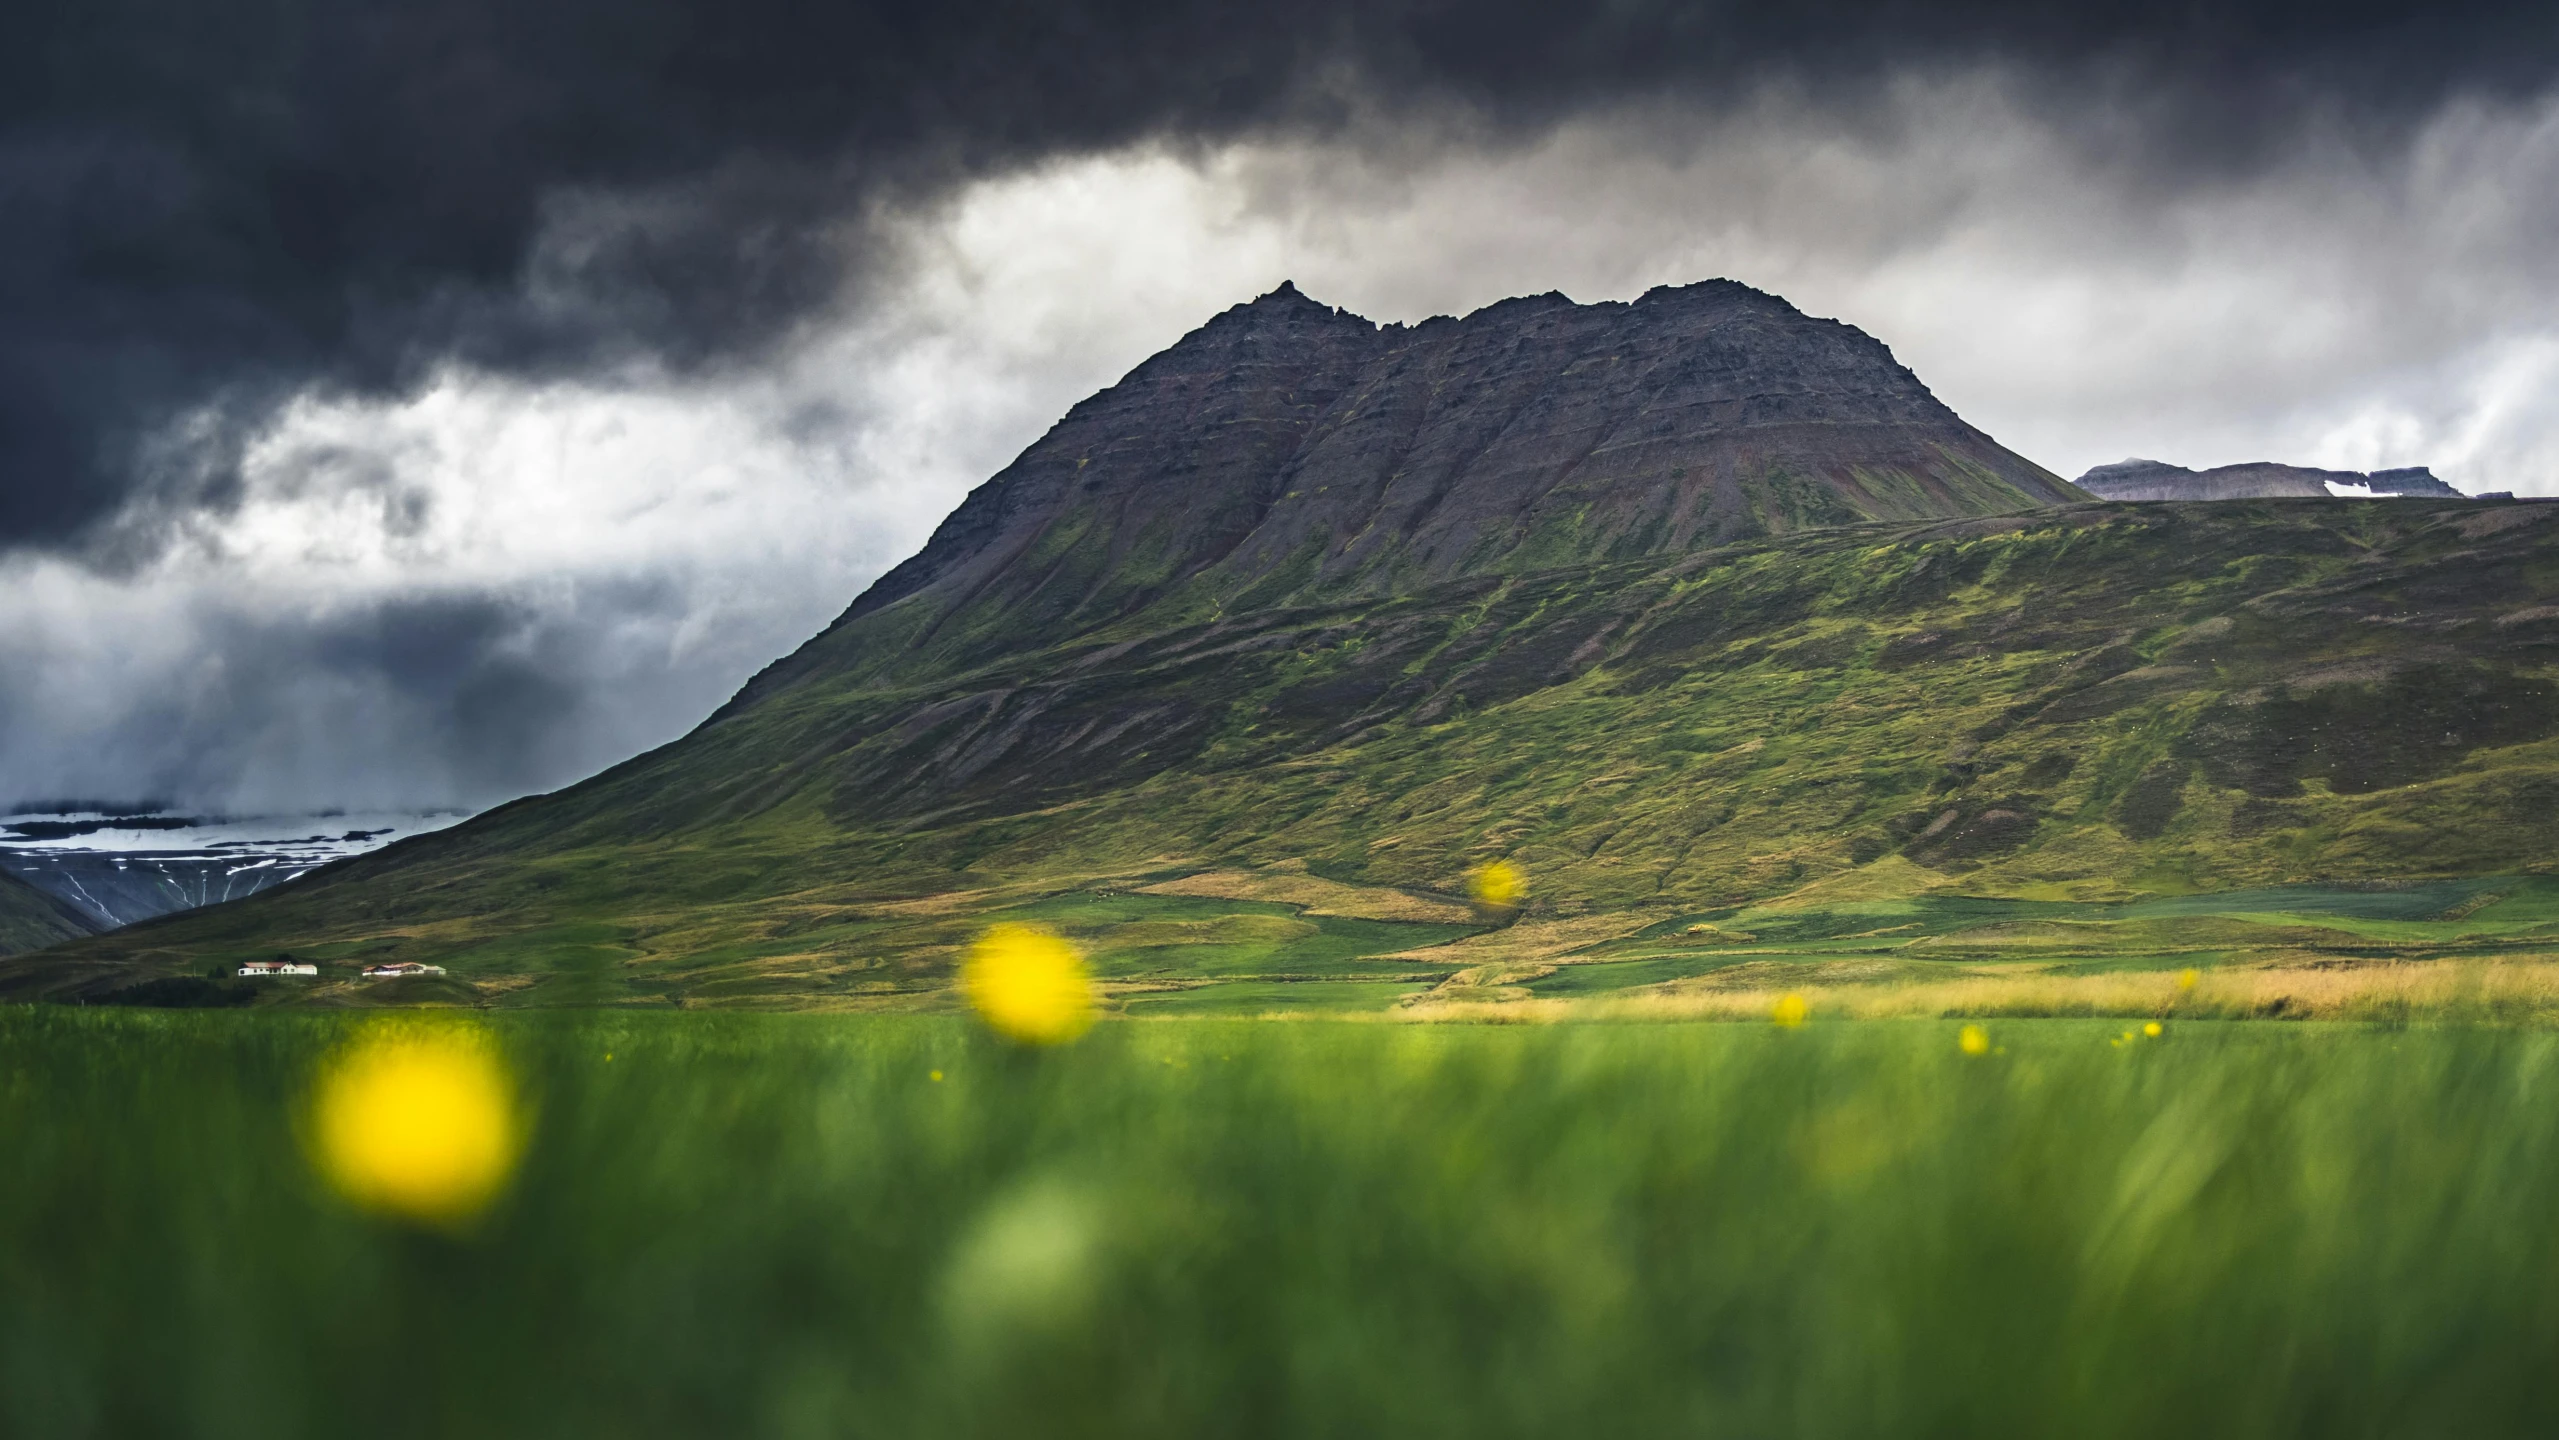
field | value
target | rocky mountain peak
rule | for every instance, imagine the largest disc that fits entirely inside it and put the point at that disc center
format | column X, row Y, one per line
column 1288, row 451
column 1285, row 302
column 1283, row 310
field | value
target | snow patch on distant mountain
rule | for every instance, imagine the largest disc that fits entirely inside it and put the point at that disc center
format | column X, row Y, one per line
column 120, row 869
column 2260, row 480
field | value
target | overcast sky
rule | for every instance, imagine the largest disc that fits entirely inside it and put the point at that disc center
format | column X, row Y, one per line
column 421, row 406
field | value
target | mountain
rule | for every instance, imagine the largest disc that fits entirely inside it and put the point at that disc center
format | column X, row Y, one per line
column 2158, row 480
column 115, row 869
column 1233, row 674
column 33, row 920
column 1288, row 451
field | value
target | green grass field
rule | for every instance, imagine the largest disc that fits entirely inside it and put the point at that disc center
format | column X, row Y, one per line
column 784, row 1225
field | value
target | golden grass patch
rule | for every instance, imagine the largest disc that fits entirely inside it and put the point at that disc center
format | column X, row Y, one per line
column 2518, row 989
column 1316, row 895
column 1531, row 941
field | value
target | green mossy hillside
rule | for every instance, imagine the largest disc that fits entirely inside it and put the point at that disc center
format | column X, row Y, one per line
column 2103, row 706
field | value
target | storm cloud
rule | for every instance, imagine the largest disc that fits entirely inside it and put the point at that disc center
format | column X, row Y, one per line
column 422, row 403
column 214, row 206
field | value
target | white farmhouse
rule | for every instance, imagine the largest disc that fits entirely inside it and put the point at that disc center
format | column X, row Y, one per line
column 399, row 968
column 256, row 968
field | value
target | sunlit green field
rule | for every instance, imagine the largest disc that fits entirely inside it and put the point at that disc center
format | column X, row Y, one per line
column 749, row 1225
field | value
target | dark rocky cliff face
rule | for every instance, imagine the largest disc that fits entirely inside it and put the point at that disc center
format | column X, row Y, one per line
column 2411, row 480
column 1289, row 451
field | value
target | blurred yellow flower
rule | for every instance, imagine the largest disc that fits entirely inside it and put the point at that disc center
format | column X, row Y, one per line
column 1497, row 886
column 2186, row 979
column 1029, row 984
column 418, row 1121
column 2152, row 1029
column 1790, row 1010
column 1973, row 1040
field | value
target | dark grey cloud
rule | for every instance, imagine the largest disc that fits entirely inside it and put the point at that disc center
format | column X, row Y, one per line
column 395, row 701
column 213, row 205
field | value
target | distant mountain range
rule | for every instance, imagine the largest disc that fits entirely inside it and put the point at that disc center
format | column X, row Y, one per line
column 1679, row 604
column 115, row 868
column 2158, row 480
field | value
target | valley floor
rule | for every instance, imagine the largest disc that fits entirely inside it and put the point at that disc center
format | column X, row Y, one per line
column 755, row 1225
column 1875, row 942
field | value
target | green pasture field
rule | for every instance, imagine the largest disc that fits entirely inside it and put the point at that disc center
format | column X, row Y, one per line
column 1166, row 954
column 2500, row 915
column 784, row 1225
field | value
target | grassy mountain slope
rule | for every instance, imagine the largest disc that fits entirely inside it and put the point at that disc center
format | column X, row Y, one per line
column 1888, row 747
column 32, row 920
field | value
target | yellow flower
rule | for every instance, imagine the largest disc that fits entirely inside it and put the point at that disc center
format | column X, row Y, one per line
column 1028, row 984
column 418, row 1121
column 1497, row 886
column 2186, row 980
column 2152, row 1029
column 1973, row 1040
column 1790, row 1010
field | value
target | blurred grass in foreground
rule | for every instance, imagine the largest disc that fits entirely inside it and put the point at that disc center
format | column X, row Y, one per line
column 784, row 1225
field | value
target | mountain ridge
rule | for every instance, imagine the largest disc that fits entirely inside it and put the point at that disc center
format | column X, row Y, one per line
column 1287, row 450
column 2155, row 480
